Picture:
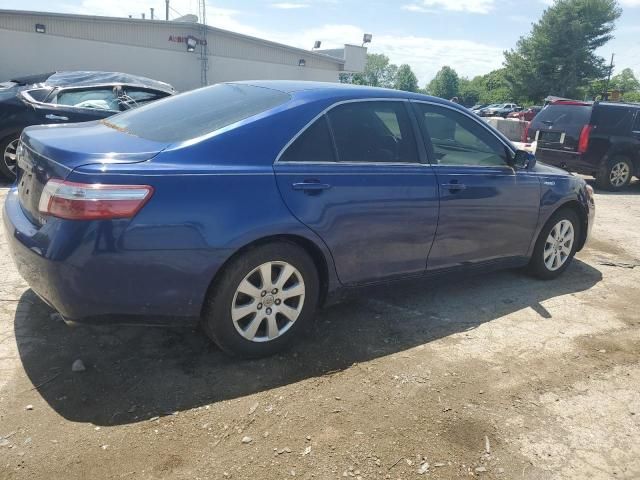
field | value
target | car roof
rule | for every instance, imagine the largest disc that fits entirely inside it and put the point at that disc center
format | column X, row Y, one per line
column 329, row 90
column 91, row 78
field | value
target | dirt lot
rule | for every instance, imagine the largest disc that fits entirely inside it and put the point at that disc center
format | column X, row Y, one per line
column 499, row 376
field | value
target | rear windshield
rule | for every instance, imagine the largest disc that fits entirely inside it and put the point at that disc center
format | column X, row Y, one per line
column 559, row 117
column 193, row 114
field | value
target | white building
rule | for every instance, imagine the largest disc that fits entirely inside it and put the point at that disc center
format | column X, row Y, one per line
column 36, row 42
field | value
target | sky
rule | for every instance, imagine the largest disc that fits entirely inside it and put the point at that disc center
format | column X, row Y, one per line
column 468, row 35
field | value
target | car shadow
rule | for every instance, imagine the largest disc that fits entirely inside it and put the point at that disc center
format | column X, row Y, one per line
column 136, row 373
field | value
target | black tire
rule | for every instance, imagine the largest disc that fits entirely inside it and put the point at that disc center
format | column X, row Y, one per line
column 5, row 170
column 537, row 265
column 604, row 177
column 217, row 320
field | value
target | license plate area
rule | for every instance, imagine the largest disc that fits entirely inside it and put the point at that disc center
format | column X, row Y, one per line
column 552, row 137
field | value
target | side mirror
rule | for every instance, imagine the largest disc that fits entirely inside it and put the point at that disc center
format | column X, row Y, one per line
column 523, row 160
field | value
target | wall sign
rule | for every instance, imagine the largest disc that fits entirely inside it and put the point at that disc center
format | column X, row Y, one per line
column 183, row 39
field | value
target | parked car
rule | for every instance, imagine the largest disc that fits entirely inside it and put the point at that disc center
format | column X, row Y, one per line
column 526, row 114
column 63, row 97
column 599, row 139
column 500, row 110
column 481, row 110
column 249, row 204
column 477, row 107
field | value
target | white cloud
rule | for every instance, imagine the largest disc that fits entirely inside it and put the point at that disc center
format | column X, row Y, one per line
column 289, row 5
column 413, row 7
column 630, row 3
column 472, row 6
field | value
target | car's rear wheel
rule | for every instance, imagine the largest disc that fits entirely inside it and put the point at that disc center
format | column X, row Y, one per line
column 262, row 299
column 9, row 149
column 616, row 175
column 556, row 245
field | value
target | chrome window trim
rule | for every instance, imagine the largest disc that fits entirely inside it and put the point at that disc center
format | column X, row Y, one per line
column 324, row 112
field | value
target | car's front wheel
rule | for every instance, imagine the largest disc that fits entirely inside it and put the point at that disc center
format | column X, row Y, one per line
column 262, row 299
column 556, row 245
column 616, row 175
column 9, row 149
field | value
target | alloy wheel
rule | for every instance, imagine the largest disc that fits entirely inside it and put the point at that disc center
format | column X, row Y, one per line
column 559, row 245
column 619, row 174
column 268, row 301
column 10, row 155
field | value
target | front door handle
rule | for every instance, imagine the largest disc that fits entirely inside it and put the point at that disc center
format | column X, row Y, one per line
column 51, row 116
column 311, row 187
column 454, row 187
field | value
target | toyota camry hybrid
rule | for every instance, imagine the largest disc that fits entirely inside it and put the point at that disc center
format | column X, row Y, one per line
column 248, row 205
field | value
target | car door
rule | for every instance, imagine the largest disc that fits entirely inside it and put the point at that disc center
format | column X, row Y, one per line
column 488, row 210
column 79, row 104
column 354, row 177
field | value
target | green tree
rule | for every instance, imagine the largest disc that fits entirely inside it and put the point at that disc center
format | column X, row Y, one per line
column 625, row 81
column 378, row 72
column 558, row 57
column 445, row 84
column 406, row 79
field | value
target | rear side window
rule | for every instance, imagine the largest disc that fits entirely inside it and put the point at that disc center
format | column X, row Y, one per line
column 636, row 125
column 376, row 131
column 612, row 119
column 313, row 145
column 196, row 113
column 559, row 117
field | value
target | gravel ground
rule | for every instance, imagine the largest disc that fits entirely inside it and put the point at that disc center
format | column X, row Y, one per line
column 499, row 376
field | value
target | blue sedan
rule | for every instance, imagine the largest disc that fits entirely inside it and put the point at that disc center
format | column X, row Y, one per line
column 248, row 205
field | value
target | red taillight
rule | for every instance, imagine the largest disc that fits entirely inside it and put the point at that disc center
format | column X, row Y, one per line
column 583, row 142
column 92, row 201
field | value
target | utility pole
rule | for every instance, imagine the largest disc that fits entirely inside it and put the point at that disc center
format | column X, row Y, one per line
column 605, row 96
column 204, row 59
column 166, row 10
column 151, row 13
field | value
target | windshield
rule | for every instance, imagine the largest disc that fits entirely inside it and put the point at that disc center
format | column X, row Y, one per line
column 196, row 113
column 562, row 116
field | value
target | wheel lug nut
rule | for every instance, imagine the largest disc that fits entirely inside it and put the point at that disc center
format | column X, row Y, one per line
column 274, row 291
column 278, row 302
column 268, row 311
column 259, row 306
column 264, row 292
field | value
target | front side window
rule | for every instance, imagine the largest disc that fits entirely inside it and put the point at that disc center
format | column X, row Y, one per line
column 636, row 125
column 313, row 145
column 375, row 131
column 459, row 140
column 93, row 98
column 135, row 97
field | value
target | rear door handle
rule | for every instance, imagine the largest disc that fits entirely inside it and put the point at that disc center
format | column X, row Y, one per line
column 311, row 187
column 454, row 187
column 51, row 116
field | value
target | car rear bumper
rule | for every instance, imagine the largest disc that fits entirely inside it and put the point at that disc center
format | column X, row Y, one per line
column 84, row 276
column 571, row 161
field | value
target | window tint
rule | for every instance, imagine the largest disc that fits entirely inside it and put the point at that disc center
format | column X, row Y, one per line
column 373, row 132
column 95, row 98
column 636, row 125
column 314, row 145
column 612, row 119
column 562, row 117
column 458, row 139
column 196, row 113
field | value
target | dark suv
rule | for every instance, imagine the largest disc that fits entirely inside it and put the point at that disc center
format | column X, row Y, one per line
column 601, row 139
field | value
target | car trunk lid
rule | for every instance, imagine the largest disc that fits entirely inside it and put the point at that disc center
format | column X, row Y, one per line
column 48, row 152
